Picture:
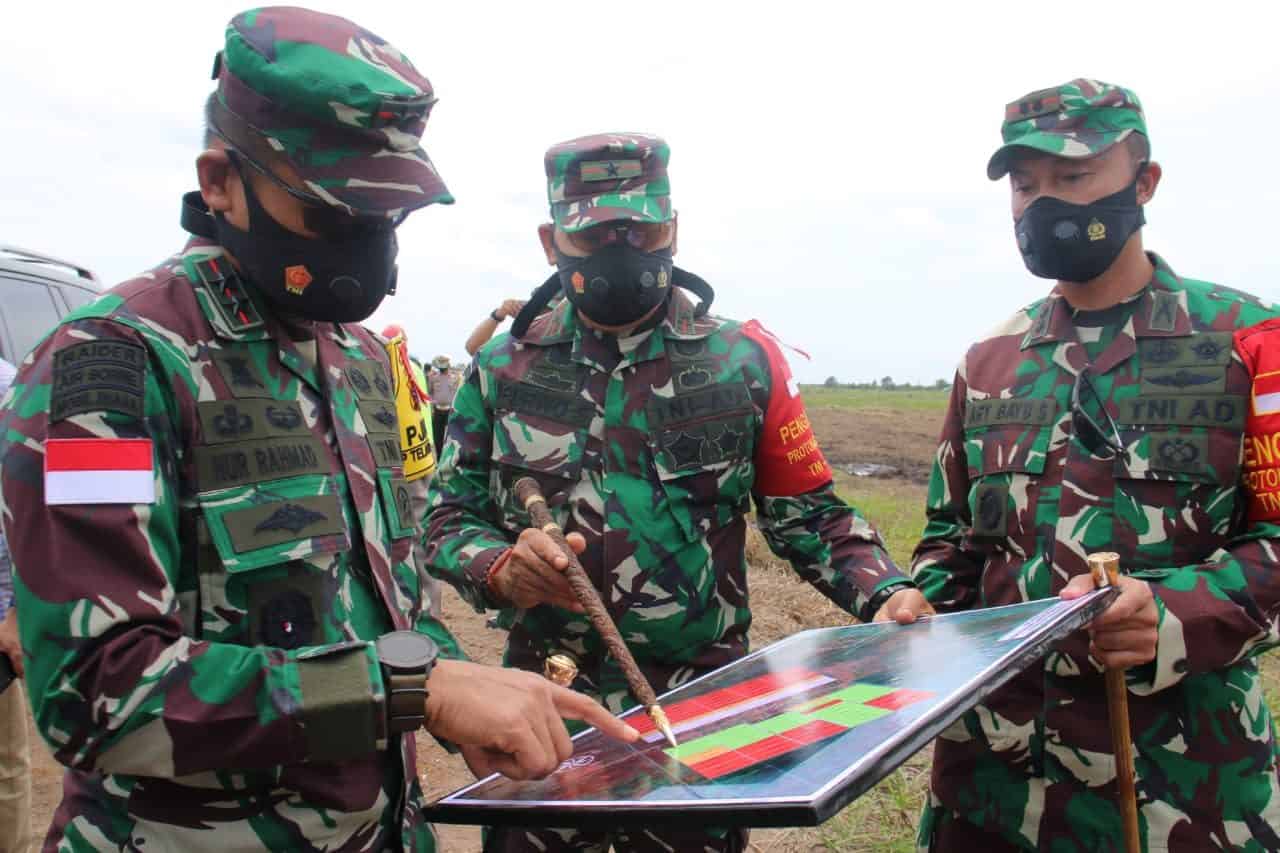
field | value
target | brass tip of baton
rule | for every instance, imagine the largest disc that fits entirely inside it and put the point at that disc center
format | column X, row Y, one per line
column 560, row 669
column 659, row 718
column 1104, row 566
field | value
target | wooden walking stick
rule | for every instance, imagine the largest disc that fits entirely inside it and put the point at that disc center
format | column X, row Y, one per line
column 528, row 493
column 1105, row 567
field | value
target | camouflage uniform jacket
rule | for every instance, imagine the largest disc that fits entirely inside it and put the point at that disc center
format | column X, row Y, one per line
column 203, row 663
column 650, row 447
column 1016, row 502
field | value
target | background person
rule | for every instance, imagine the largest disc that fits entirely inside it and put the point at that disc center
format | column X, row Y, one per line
column 442, row 383
column 15, row 749
column 484, row 331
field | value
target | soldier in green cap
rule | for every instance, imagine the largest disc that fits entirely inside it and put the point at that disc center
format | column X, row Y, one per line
column 204, row 495
column 1130, row 410
column 651, row 426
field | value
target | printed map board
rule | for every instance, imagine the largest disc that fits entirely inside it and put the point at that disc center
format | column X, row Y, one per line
column 789, row 735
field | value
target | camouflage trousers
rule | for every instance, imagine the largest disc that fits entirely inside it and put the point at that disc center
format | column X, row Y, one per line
column 943, row 831
column 520, row 840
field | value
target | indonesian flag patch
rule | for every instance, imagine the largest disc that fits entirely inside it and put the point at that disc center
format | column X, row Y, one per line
column 1259, row 348
column 99, row 471
column 1266, row 393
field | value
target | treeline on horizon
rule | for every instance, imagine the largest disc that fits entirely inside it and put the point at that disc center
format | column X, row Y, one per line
column 885, row 383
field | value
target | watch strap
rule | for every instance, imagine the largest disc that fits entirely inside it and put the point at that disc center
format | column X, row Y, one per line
column 877, row 601
column 406, row 700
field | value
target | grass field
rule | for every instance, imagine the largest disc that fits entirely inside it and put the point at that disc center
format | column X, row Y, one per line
column 866, row 398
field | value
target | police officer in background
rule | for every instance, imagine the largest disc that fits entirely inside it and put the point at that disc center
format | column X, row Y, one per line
column 1110, row 415
column 206, row 506
column 650, row 426
column 442, row 384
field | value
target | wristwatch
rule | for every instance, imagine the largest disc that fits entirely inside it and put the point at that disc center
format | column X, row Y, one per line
column 877, row 601
column 407, row 659
column 494, row 316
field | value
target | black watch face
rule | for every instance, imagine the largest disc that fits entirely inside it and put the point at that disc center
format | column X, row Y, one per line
column 407, row 650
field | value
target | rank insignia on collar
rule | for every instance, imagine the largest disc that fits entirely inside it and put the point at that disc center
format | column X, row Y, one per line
column 1164, row 311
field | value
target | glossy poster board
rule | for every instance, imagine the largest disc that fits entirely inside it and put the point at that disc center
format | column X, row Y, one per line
column 789, row 735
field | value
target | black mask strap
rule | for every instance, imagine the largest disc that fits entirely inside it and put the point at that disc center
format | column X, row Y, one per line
column 537, row 301
column 547, row 291
column 196, row 218
column 697, row 286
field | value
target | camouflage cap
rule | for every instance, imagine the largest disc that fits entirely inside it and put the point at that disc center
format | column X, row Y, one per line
column 1077, row 120
column 608, row 176
column 340, row 104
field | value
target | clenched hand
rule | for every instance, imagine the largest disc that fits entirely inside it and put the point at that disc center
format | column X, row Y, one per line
column 534, row 573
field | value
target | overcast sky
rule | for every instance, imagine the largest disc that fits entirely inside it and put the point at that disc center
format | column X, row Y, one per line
column 827, row 159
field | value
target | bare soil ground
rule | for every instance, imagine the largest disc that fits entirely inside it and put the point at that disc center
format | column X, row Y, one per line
column 904, row 439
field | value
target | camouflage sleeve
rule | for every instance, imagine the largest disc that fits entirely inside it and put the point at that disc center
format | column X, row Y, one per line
column 427, row 623
column 827, row 541
column 948, row 573
column 1228, row 608
column 463, row 538
column 830, row 545
column 117, row 683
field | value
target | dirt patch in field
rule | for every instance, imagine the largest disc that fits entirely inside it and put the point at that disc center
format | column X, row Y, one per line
column 906, row 440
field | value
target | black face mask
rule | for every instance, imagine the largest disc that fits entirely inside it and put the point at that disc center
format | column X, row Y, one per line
column 546, row 291
column 1078, row 242
column 341, row 279
column 616, row 285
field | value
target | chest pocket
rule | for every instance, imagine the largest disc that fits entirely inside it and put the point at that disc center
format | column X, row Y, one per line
column 1175, row 497
column 266, row 569
column 703, row 446
column 542, row 433
column 1006, row 447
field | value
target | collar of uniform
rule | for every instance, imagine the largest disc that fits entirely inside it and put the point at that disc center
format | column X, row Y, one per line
column 1051, row 323
column 648, row 344
column 1161, row 311
column 194, row 260
column 554, row 327
column 1162, row 308
column 682, row 322
column 341, row 335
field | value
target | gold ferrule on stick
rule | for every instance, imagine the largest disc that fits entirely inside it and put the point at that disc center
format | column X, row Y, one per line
column 660, row 720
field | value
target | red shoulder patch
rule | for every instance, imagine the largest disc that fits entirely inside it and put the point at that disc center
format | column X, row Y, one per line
column 1259, row 349
column 788, row 460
